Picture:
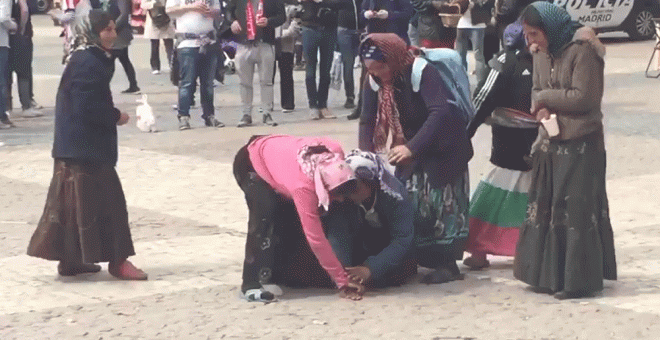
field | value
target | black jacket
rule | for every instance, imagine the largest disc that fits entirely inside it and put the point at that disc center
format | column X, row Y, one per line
column 509, row 85
column 321, row 14
column 85, row 115
column 273, row 10
column 347, row 15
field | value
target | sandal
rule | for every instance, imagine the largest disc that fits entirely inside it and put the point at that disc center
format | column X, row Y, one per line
column 259, row 295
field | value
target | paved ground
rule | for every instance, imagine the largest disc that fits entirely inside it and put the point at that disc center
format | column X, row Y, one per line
column 188, row 221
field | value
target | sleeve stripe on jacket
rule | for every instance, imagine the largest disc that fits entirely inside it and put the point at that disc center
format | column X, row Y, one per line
column 488, row 86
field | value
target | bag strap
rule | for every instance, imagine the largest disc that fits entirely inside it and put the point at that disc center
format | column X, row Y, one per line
column 417, row 69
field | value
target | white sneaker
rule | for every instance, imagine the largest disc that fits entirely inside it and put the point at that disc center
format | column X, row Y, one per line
column 31, row 113
column 155, row 72
column 273, row 289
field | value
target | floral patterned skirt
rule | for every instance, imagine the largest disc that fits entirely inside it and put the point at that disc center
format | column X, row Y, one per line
column 566, row 242
column 441, row 223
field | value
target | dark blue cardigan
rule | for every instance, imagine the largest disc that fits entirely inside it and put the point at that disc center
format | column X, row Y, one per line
column 85, row 116
column 434, row 128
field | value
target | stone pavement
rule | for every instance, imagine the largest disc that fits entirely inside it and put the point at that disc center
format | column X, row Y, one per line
column 188, row 223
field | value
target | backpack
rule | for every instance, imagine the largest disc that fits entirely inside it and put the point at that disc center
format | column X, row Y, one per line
column 448, row 62
column 158, row 16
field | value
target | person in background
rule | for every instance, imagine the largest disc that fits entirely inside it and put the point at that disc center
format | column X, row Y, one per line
column 20, row 61
column 7, row 26
column 429, row 147
column 289, row 182
column 319, row 32
column 121, row 11
column 431, row 32
column 195, row 32
column 388, row 16
column 566, row 244
column 85, row 219
column 349, row 29
column 253, row 24
column 158, row 26
column 470, row 32
column 499, row 204
column 286, row 36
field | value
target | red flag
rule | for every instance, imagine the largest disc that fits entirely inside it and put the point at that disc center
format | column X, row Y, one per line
column 251, row 22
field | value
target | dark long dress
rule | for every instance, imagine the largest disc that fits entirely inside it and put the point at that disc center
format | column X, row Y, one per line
column 567, row 243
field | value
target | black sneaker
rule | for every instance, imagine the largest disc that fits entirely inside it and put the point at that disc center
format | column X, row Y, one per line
column 354, row 115
column 245, row 121
column 132, row 89
column 212, row 122
column 7, row 122
column 349, row 103
column 184, row 122
column 268, row 120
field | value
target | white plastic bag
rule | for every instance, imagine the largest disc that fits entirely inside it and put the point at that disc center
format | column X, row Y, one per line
column 145, row 116
column 336, row 72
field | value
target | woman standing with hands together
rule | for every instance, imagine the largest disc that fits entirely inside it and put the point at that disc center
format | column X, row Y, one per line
column 566, row 244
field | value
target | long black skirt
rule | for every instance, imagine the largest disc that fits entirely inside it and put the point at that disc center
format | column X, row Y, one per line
column 85, row 219
column 566, row 243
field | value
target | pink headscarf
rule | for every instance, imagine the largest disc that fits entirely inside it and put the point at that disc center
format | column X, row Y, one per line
column 328, row 170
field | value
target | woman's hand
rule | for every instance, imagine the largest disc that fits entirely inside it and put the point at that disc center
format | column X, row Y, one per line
column 399, row 154
column 123, row 118
column 235, row 27
column 542, row 114
column 382, row 14
column 359, row 274
column 352, row 291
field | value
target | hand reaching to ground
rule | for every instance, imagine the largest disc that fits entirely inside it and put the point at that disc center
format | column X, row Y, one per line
column 359, row 274
column 352, row 291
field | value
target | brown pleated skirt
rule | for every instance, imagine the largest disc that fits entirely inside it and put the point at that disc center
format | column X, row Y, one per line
column 85, row 219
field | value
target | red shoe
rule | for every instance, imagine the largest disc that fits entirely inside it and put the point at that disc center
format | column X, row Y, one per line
column 126, row 271
column 69, row 269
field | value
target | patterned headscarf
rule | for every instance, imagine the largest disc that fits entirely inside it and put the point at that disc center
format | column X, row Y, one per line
column 559, row 27
column 369, row 166
column 392, row 50
column 327, row 169
column 89, row 24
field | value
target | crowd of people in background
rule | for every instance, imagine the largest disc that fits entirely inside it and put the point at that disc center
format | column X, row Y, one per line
column 320, row 216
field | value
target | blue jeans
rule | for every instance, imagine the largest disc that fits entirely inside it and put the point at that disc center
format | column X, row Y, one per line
column 348, row 41
column 192, row 65
column 474, row 37
column 4, row 72
column 320, row 40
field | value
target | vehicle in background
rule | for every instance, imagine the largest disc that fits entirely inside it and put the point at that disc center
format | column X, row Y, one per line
column 634, row 17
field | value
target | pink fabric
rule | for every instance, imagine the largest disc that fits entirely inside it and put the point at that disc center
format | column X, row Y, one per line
column 330, row 175
column 275, row 159
column 488, row 238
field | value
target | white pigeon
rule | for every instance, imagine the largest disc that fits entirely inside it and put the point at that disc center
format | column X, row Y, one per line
column 145, row 116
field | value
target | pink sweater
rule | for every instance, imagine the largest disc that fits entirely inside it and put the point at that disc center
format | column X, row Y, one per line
column 275, row 159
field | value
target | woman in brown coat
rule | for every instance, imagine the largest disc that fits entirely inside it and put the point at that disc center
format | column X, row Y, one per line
column 566, row 245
